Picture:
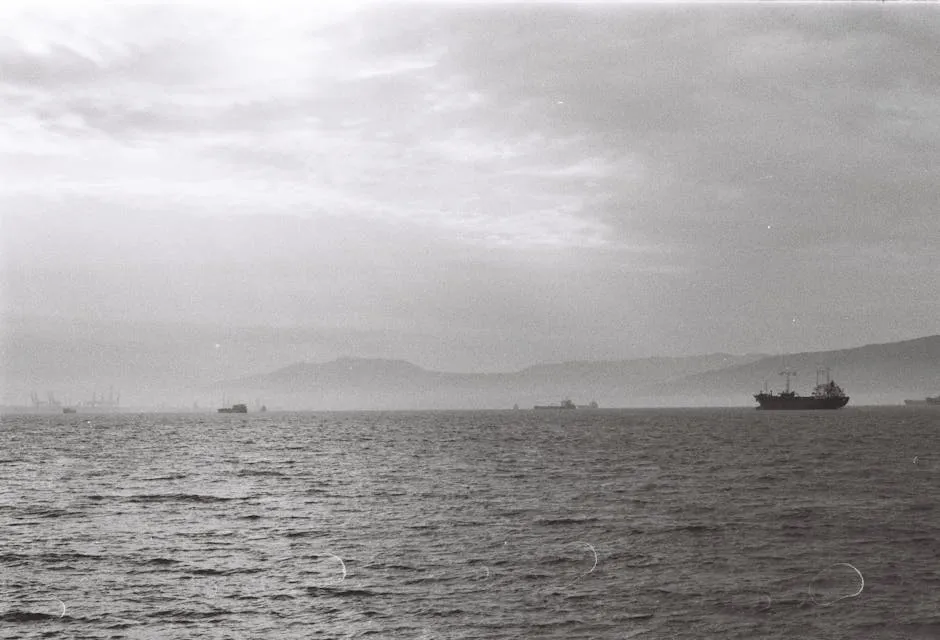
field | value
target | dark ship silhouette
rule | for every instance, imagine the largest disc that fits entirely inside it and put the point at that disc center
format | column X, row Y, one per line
column 235, row 408
column 826, row 395
column 565, row 404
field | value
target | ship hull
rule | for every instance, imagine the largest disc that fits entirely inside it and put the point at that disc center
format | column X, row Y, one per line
column 798, row 403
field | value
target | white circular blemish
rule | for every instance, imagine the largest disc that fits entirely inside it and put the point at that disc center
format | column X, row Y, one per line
column 594, row 566
column 861, row 585
column 343, row 564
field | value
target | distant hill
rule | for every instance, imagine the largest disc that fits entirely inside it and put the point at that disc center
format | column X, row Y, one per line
column 397, row 384
column 882, row 373
column 173, row 366
column 872, row 374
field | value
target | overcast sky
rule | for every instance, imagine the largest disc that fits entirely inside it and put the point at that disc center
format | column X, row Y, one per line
column 477, row 186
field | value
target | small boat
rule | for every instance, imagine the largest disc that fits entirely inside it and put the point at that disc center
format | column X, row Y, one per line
column 235, row 408
column 69, row 410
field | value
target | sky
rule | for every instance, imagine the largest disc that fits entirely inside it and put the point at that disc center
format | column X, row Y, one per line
column 470, row 187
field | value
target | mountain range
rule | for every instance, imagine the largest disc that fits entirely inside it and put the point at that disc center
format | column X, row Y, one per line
column 872, row 374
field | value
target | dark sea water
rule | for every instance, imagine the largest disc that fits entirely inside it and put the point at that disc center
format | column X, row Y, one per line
column 590, row 524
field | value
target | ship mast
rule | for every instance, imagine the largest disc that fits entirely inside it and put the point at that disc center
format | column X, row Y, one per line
column 788, row 373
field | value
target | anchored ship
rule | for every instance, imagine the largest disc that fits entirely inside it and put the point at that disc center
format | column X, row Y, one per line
column 928, row 400
column 826, row 395
column 235, row 408
column 566, row 404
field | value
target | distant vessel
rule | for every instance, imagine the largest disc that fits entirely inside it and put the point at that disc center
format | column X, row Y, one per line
column 826, row 395
column 235, row 408
column 928, row 400
column 565, row 404
column 69, row 410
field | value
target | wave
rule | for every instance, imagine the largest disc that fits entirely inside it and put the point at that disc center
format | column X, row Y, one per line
column 188, row 614
column 566, row 520
column 306, row 533
column 177, row 497
column 222, row 572
column 340, row 591
column 28, row 616
column 259, row 472
column 48, row 512
column 48, row 557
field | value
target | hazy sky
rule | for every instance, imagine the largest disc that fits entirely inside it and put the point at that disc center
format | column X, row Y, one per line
column 476, row 186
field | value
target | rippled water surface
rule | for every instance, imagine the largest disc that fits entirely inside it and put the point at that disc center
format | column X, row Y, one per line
column 587, row 524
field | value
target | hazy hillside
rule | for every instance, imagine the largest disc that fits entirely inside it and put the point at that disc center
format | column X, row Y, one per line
column 883, row 373
column 878, row 373
column 179, row 365
column 367, row 383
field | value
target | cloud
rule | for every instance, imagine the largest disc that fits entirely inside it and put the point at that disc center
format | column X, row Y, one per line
column 670, row 179
column 812, row 119
column 177, row 103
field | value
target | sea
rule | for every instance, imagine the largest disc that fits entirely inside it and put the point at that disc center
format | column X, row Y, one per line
column 668, row 523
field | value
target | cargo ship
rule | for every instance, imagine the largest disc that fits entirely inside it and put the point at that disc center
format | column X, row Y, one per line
column 235, row 408
column 935, row 400
column 826, row 395
column 565, row 404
